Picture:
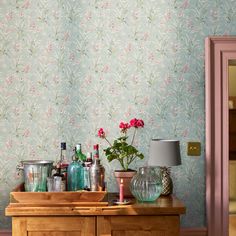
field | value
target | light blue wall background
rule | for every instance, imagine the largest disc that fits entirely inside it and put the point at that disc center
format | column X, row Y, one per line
column 70, row 67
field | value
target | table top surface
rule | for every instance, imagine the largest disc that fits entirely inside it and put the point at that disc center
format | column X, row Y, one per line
column 169, row 205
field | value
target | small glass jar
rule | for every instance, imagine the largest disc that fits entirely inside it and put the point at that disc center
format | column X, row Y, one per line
column 146, row 185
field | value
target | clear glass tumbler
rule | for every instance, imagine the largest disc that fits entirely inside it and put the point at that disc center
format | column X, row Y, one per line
column 50, row 182
column 57, row 184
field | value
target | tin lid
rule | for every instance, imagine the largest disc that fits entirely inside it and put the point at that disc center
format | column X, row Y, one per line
column 36, row 162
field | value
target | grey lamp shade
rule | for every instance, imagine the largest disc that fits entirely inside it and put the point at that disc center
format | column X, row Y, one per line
column 164, row 152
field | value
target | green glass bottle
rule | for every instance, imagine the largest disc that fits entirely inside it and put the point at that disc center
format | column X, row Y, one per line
column 75, row 174
column 79, row 154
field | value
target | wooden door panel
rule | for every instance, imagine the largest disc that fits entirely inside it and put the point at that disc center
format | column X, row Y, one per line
column 138, row 233
column 138, row 225
column 59, row 223
column 19, row 226
column 58, row 233
column 54, row 226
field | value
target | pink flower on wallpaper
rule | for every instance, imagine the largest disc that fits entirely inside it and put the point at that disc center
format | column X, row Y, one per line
column 16, row 111
column 181, row 14
column 9, row 16
column 49, row 48
column 185, row 68
column 32, row 89
column 88, row 79
column 96, row 47
column 151, row 57
column 214, row 14
column 167, row 81
column 22, row 14
column 32, row 25
column 32, row 152
column 88, row 15
column 66, row 36
column 26, row 69
column 9, row 144
column 55, row 14
column 190, row 24
column 72, row 120
column 135, row 15
column 26, row 4
column 145, row 101
column 112, row 25
column 72, row 56
column 135, row 79
column 128, row 112
column 16, row 47
column 9, row 80
column 105, row 69
column 185, row 133
column 167, row 16
column 151, row 121
column 200, row 120
column 145, row 36
column 26, row 133
column 105, row 5
column 49, row 112
column 185, row 4
column 66, row 100
column 174, row 111
column 56, row 79
column 128, row 48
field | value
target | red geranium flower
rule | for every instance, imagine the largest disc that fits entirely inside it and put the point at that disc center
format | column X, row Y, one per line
column 101, row 133
column 136, row 123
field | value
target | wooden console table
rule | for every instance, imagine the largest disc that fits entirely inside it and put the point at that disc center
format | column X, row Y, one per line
column 161, row 218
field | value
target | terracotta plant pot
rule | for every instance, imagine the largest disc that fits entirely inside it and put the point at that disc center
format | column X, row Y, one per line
column 126, row 175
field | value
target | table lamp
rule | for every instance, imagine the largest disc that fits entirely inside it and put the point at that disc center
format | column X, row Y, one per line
column 165, row 153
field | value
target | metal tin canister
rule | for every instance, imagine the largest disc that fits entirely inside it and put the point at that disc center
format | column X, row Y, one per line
column 35, row 174
column 97, row 176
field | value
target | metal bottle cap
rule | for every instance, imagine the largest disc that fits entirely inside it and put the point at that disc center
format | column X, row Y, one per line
column 63, row 146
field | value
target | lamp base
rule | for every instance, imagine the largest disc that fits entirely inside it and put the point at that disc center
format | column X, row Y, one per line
column 167, row 184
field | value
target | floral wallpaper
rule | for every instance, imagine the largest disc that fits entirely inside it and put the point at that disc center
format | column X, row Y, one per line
column 69, row 67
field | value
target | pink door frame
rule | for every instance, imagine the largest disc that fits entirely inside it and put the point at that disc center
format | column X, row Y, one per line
column 218, row 51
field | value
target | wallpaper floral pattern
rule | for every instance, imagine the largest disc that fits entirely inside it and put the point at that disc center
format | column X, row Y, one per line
column 69, row 67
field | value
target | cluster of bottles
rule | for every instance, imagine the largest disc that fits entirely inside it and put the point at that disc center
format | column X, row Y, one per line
column 83, row 173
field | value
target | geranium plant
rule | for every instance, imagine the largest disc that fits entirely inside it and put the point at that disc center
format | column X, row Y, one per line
column 120, row 149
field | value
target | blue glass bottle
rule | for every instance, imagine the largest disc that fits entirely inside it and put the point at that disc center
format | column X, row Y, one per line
column 75, row 175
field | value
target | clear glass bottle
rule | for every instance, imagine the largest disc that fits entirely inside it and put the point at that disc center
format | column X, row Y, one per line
column 146, row 185
column 79, row 154
column 75, row 176
column 87, row 165
column 61, row 167
column 63, row 178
